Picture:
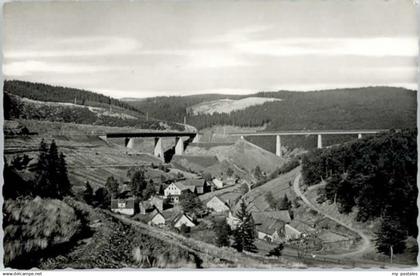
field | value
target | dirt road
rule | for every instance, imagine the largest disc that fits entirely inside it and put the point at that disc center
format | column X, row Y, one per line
column 366, row 243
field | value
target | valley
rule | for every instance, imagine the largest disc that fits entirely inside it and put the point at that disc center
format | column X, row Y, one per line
column 142, row 202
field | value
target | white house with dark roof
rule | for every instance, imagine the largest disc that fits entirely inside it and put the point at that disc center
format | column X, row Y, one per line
column 174, row 191
column 123, row 206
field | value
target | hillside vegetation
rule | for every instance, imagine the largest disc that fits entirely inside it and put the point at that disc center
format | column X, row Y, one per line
column 16, row 107
column 375, row 176
column 33, row 225
column 356, row 108
column 49, row 93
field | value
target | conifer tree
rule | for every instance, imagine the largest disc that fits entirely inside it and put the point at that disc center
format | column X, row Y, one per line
column 138, row 184
column 63, row 178
column 43, row 185
column 244, row 234
column 88, row 193
column 112, row 186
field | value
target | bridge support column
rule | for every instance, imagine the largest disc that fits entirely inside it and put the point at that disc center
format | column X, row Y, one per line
column 359, row 136
column 129, row 143
column 278, row 145
column 158, row 151
column 196, row 138
column 319, row 144
column 179, row 146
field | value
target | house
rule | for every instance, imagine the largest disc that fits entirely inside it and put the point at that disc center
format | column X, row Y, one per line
column 157, row 202
column 156, row 218
column 231, row 180
column 184, row 220
column 291, row 233
column 198, row 186
column 232, row 221
column 268, row 228
column 217, row 183
column 123, row 206
column 174, row 190
column 302, row 226
column 282, row 215
column 217, row 205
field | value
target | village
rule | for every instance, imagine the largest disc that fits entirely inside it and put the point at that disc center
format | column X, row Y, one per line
column 194, row 206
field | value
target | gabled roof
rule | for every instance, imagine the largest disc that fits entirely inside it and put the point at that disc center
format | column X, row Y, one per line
column 301, row 226
column 193, row 182
column 217, row 199
column 267, row 224
column 180, row 186
column 183, row 215
column 282, row 215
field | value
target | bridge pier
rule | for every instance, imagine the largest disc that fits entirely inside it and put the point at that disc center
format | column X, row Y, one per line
column 319, row 144
column 359, row 136
column 158, row 150
column 278, row 145
column 129, row 143
column 179, row 146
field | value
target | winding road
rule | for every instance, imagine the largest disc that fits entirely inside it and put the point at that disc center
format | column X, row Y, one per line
column 366, row 243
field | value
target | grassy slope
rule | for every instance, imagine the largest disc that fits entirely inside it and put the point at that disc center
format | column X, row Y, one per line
column 243, row 154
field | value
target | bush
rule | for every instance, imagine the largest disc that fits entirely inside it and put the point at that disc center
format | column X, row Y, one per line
column 31, row 226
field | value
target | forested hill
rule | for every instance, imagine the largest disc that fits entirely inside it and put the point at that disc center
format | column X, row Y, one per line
column 355, row 108
column 49, row 93
column 374, row 176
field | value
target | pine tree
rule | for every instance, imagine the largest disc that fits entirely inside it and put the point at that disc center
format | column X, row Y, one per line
column 88, row 193
column 112, row 186
column 149, row 190
column 245, row 234
column 43, row 185
column 63, row 178
column 222, row 230
column 138, row 184
column 391, row 236
column 53, row 170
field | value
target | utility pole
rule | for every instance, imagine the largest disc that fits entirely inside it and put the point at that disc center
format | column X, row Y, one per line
column 185, row 120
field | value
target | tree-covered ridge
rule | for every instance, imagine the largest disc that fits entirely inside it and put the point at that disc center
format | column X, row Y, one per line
column 16, row 108
column 49, row 93
column 358, row 108
column 377, row 176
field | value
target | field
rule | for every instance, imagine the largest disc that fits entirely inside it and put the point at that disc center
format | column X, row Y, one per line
column 279, row 187
column 228, row 105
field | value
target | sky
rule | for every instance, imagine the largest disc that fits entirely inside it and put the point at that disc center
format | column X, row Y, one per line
column 179, row 47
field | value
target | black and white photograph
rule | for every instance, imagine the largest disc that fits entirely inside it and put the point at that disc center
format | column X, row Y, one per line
column 225, row 134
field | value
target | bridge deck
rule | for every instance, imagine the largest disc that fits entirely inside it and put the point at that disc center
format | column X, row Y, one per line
column 309, row 132
column 149, row 134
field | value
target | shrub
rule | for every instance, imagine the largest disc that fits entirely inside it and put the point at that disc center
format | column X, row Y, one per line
column 31, row 226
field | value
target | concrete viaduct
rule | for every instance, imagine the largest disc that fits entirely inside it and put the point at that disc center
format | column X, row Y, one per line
column 157, row 135
column 319, row 134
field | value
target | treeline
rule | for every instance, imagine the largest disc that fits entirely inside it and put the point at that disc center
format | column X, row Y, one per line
column 49, row 93
column 377, row 176
column 369, row 107
column 173, row 108
column 15, row 108
column 47, row 179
